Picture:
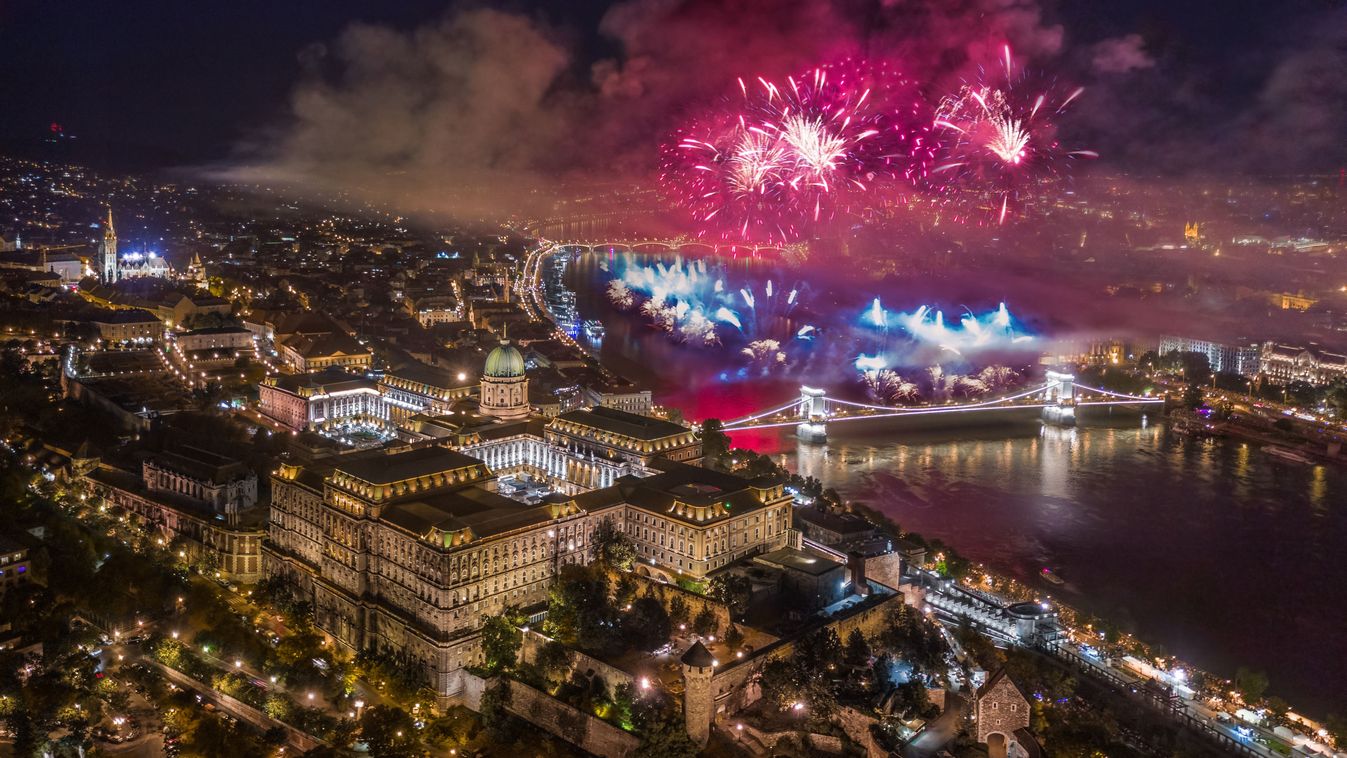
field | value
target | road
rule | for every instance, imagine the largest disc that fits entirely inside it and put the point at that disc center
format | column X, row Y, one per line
column 938, row 733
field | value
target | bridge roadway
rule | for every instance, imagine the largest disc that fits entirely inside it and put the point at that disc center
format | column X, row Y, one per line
column 1057, row 399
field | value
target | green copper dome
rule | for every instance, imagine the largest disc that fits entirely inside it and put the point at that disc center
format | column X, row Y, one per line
column 504, row 362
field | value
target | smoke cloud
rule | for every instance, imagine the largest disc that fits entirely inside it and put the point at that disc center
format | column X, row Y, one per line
column 1122, row 55
column 487, row 114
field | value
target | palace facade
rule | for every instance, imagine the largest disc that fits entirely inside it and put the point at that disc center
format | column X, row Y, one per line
column 406, row 553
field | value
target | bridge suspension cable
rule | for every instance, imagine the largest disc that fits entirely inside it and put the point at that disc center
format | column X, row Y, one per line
column 982, row 404
column 1139, row 398
column 755, row 417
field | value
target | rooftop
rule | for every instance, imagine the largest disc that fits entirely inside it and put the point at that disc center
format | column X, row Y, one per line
column 329, row 380
column 698, row 656
column 9, row 546
column 470, row 508
column 124, row 316
column 799, row 560
column 385, row 468
column 431, row 376
column 631, row 425
column 840, row 523
column 691, row 485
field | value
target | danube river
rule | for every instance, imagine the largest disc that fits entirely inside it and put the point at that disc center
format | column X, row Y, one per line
column 1213, row 550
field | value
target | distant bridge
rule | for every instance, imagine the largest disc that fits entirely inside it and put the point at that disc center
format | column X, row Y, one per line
column 679, row 245
column 1057, row 399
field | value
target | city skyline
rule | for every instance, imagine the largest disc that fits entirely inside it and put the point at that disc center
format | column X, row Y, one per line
column 673, row 378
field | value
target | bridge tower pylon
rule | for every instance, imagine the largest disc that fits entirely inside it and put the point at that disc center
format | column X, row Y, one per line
column 1060, row 399
column 813, row 414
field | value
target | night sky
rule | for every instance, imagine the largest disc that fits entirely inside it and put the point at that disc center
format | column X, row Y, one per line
column 174, row 83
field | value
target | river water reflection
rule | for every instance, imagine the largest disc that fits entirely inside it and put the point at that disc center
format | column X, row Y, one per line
column 1215, row 550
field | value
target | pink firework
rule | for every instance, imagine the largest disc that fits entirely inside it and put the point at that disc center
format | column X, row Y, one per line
column 793, row 156
column 998, row 137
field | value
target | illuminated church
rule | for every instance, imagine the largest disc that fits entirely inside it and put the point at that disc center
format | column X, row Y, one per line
column 114, row 268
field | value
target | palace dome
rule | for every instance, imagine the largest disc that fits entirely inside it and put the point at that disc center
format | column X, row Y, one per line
column 504, row 362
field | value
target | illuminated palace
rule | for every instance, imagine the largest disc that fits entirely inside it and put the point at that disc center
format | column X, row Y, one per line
column 407, row 551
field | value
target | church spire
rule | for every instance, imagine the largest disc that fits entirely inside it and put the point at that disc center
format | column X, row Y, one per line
column 107, row 252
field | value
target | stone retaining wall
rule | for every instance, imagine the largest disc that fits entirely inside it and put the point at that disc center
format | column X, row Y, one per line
column 613, row 676
column 587, row 732
column 667, row 592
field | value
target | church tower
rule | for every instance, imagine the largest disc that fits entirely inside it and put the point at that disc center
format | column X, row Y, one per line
column 107, row 252
column 196, row 272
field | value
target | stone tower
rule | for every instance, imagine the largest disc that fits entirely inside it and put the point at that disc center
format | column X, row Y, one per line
column 107, row 252
column 698, row 668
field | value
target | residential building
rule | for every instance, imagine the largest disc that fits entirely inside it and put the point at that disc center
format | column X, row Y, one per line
column 415, row 387
column 831, row 529
column 200, row 504
column 14, row 565
column 128, row 326
column 223, row 484
column 620, row 396
column 1224, row 359
column 303, row 353
column 815, row 580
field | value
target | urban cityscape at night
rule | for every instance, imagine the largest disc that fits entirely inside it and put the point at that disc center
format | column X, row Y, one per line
column 666, row 378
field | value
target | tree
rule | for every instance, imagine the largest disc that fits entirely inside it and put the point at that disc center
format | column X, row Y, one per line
column 819, row 651
column 734, row 590
column 579, row 609
column 646, row 626
column 624, row 698
column 625, row 591
column 501, row 639
column 389, row 731
column 611, row 546
column 705, row 624
column 1193, row 396
column 715, row 443
column 733, row 637
column 858, row 650
column 1251, row 684
column 678, row 611
column 501, row 726
column 553, row 659
column 668, row 738
column 782, row 681
column 1337, row 398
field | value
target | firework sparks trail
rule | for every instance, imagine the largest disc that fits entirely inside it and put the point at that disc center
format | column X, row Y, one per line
column 788, row 157
column 993, row 329
column 693, row 304
column 886, row 386
column 997, row 139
